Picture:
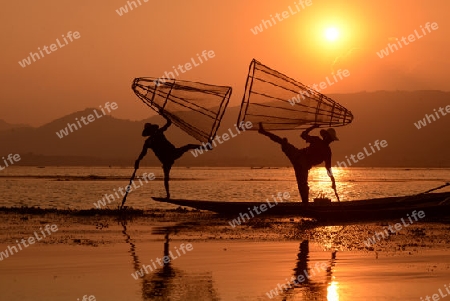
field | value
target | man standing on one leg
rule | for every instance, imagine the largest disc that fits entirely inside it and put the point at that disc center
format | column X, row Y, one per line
column 166, row 152
column 304, row 159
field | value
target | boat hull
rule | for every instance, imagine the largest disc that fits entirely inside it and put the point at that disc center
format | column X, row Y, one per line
column 432, row 204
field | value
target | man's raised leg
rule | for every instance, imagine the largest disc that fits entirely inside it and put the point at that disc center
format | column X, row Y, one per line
column 181, row 150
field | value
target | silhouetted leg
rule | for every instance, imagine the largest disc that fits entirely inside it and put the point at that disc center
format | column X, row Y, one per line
column 181, row 150
column 302, row 183
column 272, row 137
column 166, row 169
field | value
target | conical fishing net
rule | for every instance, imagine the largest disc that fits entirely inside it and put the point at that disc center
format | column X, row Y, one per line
column 282, row 103
column 196, row 108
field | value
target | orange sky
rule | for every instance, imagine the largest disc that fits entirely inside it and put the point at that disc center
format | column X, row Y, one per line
column 112, row 50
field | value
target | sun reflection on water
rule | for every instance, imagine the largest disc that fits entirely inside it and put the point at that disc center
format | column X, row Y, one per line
column 320, row 183
column 332, row 291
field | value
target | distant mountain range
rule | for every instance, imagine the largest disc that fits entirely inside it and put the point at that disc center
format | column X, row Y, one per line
column 382, row 115
column 7, row 126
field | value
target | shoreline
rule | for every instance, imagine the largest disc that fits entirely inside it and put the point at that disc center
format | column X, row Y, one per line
column 93, row 249
column 98, row 227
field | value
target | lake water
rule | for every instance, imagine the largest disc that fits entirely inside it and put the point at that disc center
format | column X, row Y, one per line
column 68, row 268
column 224, row 270
column 80, row 187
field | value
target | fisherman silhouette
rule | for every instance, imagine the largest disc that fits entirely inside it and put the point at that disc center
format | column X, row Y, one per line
column 304, row 159
column 165, row 151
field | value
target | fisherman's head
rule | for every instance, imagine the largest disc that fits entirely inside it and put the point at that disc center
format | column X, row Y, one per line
column 149, row 129
column 329, row 135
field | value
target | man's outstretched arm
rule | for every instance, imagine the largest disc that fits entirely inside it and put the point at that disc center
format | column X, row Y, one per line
column 168, row 123
column 305, row 134
column 272, row 137
column 141, row 156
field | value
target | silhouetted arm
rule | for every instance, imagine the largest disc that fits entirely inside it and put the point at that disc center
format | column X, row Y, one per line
column 305, row 135
column 166, row 126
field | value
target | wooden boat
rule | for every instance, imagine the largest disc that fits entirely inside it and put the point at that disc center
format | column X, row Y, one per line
column 432, row 204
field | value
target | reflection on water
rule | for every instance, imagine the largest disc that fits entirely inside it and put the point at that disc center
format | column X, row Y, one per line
column 219, row 270
column 132, row 246
column 169, row 282
column 249, row 270
column 312, row 283
column 332, row 291
column 158, row 285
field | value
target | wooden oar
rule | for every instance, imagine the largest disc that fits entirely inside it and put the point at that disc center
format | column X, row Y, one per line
column 337, row 196
column 442, row 186
column 407, row 197
column 126, row 190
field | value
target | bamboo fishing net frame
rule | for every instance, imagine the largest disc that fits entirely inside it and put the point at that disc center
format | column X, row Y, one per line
column 317, row 110
column 157, row 93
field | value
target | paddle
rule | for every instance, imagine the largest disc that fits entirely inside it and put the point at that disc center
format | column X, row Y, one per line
column 126, row 190
column 442, row 186
column 407, row 197
column 337, row 196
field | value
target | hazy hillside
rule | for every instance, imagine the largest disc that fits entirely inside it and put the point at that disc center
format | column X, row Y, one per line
column 7, row 126
column 380, row 115
column 391, row 116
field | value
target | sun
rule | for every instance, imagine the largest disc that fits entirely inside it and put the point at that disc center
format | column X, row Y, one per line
column 331, row 34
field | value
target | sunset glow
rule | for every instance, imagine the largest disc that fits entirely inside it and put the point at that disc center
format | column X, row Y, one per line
column 333, row 291
column 332, row 34
column 225, row 150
